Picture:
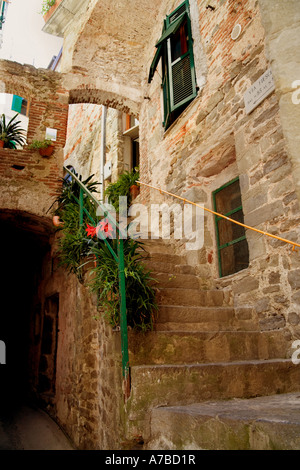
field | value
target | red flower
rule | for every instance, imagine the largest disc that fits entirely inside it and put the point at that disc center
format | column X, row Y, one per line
column 106, row 228
column 91, row 231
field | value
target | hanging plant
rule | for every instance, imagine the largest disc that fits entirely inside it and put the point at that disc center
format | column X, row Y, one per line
column 73, row 245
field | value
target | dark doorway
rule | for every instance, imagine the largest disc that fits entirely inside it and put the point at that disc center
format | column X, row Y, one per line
column 23, row 247
column 47, row 366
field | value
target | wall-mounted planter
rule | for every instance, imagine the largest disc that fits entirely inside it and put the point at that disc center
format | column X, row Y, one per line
column 46, row 151
column 134, row 191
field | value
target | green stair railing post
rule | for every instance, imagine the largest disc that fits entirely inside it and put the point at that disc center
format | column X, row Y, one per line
column 123, row 319
column 81, row 207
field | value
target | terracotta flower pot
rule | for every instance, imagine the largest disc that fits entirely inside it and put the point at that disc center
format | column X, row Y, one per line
column 134, row 191
column 47, row 151
column 1, row 144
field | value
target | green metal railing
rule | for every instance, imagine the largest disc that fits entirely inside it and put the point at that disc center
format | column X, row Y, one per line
column 119, row 258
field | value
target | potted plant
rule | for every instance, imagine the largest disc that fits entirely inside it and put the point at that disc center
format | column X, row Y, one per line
column 2, row 139
column 45, row 147
column 11, row 134
column 46, row 6
column 125, row 186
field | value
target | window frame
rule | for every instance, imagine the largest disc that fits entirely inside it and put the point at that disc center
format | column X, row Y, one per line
column 218, row 218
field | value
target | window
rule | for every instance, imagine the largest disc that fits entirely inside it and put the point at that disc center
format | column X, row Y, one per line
column 175, row 49
column 20, row 105
column 131, row 142
column 67, row 176
column 233, row 251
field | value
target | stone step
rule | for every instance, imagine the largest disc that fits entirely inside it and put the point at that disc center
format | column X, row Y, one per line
column 263, row 423
column 173, row 385
column 190, row 318
column 187, row 281
column 167, row 267
column 169, row 258
column 190, row 297
column 165, row 347
column 158, row 246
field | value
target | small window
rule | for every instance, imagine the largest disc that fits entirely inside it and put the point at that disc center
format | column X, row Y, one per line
column 131, row 142
column 233, row 253
column 67, row 176
column 175, row 49
column 20, row 105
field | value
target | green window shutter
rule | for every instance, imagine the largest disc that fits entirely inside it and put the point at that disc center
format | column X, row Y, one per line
column 182, row 74
column 17, row 103
column 157, row 56
column 183, row 8
column 175, row 48
column 166, row 97
column 154, row 63
column 170, row 30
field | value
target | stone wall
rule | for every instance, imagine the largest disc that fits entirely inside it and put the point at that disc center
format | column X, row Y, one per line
column 281, row 23
column 83, row 146
column 214, row 141
column 29, row 182
column 88, row 399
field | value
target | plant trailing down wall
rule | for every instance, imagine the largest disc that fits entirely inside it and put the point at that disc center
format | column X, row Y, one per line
column 140, row 294
column 81, row 246
column 73, row 245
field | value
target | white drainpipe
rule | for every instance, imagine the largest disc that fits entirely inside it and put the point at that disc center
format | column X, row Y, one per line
column 102, row 152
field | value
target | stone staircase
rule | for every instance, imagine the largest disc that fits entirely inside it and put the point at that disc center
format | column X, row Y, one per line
column 194, row 379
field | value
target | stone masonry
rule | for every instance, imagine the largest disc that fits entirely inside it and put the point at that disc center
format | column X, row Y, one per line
column 108, row 50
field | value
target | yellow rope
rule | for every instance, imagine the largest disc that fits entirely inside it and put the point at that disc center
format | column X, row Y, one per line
column 221, row 215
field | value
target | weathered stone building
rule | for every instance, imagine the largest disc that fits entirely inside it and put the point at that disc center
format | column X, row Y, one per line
column 214, row 86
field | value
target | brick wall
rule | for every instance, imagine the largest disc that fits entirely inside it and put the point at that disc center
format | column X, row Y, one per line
column 29, row 181
column 89, row 398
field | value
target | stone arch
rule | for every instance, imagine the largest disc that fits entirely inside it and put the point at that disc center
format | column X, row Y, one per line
column 103, row 97
column 28, row 222
column 105, row 53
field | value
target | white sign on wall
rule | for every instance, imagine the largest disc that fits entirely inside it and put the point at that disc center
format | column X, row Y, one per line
column 259, row 91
